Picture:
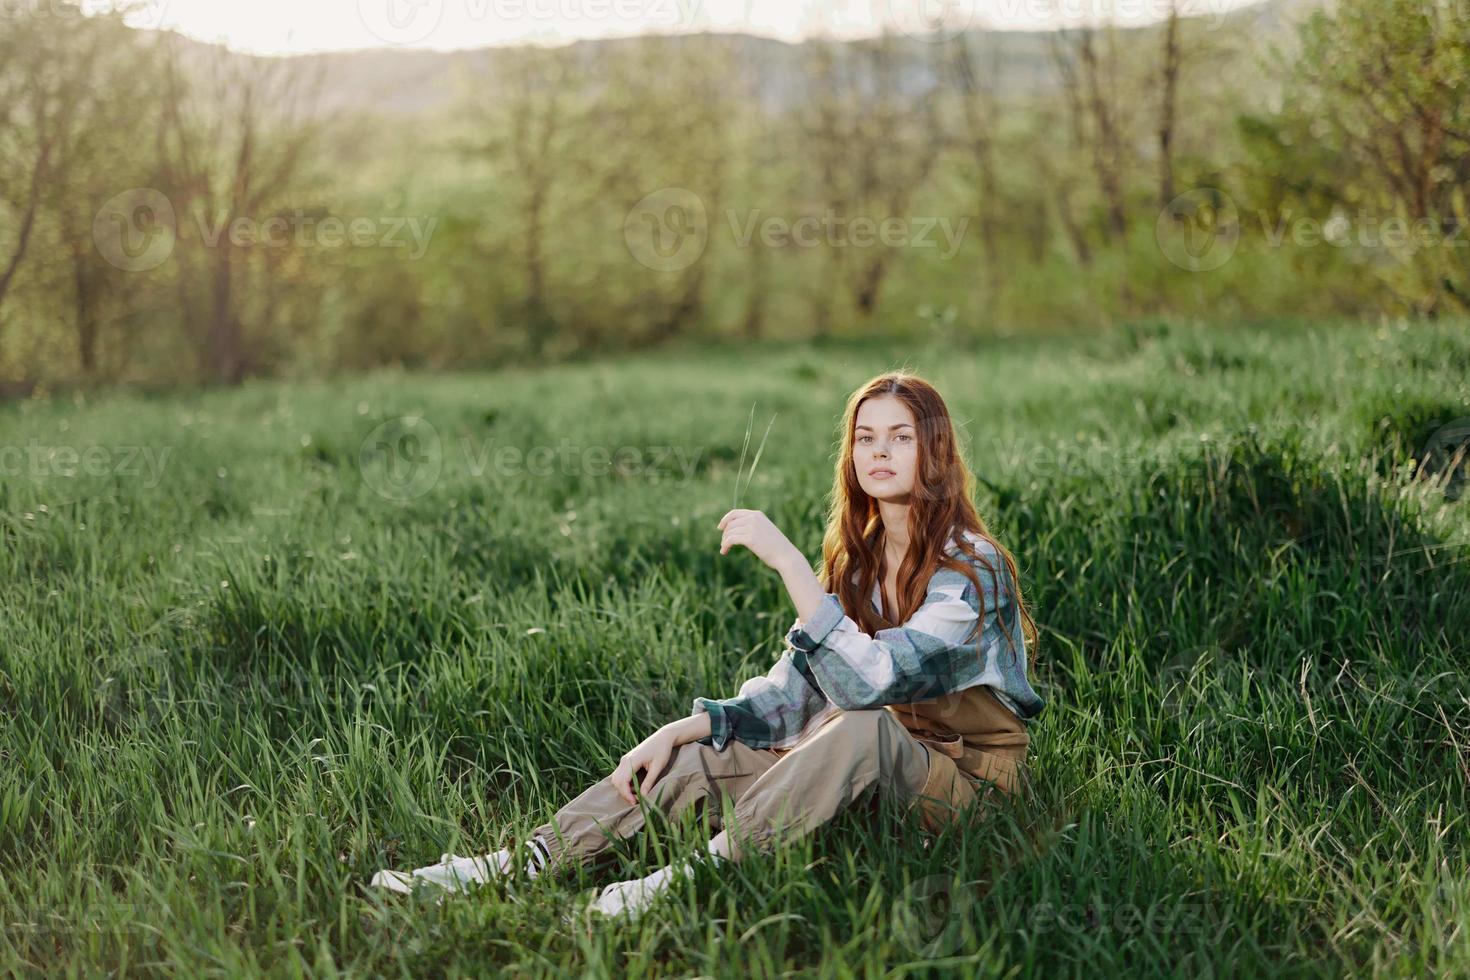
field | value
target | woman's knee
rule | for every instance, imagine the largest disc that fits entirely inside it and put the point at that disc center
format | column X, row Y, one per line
column 864, row 726
column 862, row 718
column 696, row 762
column 876, row 733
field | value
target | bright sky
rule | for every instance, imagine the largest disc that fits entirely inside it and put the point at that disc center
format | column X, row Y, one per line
column 292, row 26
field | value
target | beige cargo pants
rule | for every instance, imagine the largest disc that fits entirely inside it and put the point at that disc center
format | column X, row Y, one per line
column 778, row 792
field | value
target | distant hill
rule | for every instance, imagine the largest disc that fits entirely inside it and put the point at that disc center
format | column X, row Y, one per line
column 410, row 83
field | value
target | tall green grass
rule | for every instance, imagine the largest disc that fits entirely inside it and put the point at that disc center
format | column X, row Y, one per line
column 235, row 691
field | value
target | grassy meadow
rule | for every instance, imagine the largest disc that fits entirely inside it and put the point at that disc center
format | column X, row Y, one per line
column 258, row 643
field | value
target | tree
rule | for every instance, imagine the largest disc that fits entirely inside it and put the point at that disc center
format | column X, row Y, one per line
column 44, row 97
column 1089, row 82
column 674, row 136
column 105, row 157
column 1379, row 87
column 876, row 143
column 232, row 145
column 974, row 86
column 1168, row 93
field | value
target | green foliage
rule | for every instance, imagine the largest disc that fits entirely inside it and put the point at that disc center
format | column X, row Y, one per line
column 1373, row 130
column 1030, row 197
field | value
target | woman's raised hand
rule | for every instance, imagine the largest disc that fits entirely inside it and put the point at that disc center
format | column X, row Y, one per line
column 764, row 539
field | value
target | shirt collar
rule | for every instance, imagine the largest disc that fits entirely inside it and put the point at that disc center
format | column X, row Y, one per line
column 953, row 548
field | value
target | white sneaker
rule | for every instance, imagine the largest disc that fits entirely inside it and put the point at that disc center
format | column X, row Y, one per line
column 452, row 873
column 631, row 898
column 397, row 881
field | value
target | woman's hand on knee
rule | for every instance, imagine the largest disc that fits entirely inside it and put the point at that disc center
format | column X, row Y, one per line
column 651, row 754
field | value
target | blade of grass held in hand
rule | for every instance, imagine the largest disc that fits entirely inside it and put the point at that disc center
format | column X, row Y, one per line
column 759, row 449
column 735, row 496
column 756, row 461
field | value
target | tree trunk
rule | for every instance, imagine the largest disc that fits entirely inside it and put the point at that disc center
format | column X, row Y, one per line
column 1166, row 111
column 85, row 303
column 28, row 221
column 755, row 306
column 224, row 329
column 1107, row 152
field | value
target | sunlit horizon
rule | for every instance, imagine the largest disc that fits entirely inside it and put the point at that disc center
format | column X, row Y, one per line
column 286, row 27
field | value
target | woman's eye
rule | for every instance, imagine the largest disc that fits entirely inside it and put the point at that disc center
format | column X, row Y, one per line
column 905, row 436
column 864, row 438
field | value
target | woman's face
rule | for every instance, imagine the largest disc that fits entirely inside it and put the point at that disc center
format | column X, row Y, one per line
column 885, row 448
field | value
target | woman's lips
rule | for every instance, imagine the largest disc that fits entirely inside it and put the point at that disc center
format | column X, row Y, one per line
column 881, row 474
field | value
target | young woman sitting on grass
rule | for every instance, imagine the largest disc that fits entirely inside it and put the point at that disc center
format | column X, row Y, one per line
column 920, row 690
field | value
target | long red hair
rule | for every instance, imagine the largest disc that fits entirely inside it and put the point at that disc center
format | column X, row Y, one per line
column 940, row 507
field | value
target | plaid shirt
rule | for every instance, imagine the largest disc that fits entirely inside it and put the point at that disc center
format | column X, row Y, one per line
column 830, row 665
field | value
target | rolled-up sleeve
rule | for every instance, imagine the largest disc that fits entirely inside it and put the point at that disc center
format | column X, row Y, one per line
column 770, row 711
column 932, row 654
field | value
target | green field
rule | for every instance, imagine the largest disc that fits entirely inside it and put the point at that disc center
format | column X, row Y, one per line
column 244, row 664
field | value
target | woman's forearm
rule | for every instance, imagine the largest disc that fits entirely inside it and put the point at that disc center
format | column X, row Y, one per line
column 690, row 729
column 802, row 584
